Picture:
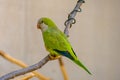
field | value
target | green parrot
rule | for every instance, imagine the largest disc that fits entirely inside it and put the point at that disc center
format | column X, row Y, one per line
column 56, row 41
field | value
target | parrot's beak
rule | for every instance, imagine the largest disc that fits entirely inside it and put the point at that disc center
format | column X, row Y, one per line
column 38, row 26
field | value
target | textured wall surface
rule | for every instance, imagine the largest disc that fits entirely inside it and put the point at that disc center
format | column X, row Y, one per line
column 95, row 37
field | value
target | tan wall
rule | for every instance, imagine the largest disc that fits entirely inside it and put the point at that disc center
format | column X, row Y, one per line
column 95, row 37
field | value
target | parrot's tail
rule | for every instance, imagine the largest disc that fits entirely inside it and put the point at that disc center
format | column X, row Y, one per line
column 81, row 65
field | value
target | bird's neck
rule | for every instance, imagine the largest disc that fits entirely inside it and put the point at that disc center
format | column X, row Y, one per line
column 44, row 27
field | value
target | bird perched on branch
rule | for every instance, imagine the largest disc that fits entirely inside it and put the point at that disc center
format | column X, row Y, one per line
column 56, row 41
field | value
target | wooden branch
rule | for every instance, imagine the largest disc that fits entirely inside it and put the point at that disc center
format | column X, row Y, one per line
column 63, row 70
column 21, row 64
column 26, row 70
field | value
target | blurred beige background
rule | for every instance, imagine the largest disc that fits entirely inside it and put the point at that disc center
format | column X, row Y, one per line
column 95, row 37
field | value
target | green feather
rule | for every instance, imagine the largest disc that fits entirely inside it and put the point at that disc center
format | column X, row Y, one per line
column 81, row 65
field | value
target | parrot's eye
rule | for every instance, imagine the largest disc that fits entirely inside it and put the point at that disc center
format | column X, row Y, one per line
column 41, row 21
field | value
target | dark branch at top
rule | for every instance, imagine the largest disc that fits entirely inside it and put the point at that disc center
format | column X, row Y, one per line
column 71, row 17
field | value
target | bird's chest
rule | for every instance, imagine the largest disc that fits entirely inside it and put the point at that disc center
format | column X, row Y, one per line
column 51, row 39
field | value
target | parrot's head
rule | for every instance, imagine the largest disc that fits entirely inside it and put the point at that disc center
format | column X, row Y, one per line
column 45, row 23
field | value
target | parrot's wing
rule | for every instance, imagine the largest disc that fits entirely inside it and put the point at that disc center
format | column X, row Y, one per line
column 65, row 53
column 57, row 41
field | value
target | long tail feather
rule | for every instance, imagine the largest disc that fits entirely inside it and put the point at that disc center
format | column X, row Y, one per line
column 81, row 65
column 68, row 55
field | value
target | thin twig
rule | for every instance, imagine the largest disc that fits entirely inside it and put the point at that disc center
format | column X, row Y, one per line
column 63, row 70
column 21, row 64
column 28, row 77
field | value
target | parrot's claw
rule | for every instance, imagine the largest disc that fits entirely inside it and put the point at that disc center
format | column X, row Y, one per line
column 52, row 57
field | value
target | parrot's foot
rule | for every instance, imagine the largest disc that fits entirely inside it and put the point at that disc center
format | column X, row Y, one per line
column 52, row 57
